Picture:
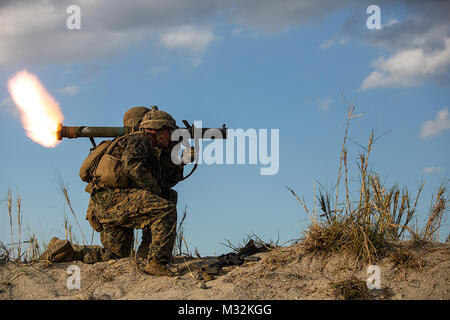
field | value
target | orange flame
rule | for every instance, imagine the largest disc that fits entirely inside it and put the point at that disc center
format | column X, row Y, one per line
column 40, row 112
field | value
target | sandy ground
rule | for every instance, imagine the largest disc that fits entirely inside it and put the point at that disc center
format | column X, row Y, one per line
column 284, row 273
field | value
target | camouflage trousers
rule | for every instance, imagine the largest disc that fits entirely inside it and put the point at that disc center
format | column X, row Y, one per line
column 115, row 213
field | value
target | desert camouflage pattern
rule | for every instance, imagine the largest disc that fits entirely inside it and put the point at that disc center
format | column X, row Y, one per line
column 117, row 241
column 149, row 204
column 119, row 211
column 172, row 173
column 146, row 240
column 156, row 119
column 133, row 117
column 139, row 162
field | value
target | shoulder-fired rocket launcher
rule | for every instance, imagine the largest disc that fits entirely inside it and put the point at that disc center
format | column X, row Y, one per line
column 112, row 132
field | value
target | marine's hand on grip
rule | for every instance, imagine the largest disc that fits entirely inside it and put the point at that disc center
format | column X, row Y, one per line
column 188, row 155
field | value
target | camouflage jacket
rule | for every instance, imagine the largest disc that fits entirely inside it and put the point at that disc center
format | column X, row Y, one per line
column 172, row 173
column 147, row 167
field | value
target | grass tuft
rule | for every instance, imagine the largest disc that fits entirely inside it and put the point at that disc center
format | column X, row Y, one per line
column 365, row 226
column 252, row 243
column 180, row 239
column 350, row 289
column 404, row 257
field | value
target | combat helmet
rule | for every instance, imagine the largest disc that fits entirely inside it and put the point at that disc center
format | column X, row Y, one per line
column 133, row 117
column 156, row 119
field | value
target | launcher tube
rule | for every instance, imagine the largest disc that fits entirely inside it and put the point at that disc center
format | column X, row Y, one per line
column 111, row 132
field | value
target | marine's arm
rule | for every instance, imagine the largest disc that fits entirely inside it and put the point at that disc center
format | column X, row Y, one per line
column 174, row 172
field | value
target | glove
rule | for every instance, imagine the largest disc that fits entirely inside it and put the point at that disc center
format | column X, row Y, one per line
column 188, row 155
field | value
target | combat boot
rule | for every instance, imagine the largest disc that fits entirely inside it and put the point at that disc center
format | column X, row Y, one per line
column 58, row 251
column 157, row 269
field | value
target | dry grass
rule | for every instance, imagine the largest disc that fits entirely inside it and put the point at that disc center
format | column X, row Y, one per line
column 10, row 214
column 350, row 289
column 65, row 193
column 108, row 277
column 15, row 251
column 197, row 253
column 12, row 276
column 26, row 248
column 259, row 245
column 438, row 211
column 4, row 252
column 19, row 225
column 34, row 249
column 365, row 225
column 180, row 239
column 404, row 257
column 280, row 258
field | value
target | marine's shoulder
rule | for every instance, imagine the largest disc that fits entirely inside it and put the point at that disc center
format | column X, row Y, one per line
column 137, row 138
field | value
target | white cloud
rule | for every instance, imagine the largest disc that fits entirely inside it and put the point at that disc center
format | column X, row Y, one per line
column 390, row 23
column 189, row 38
column 435, row 127
column 416, row 42
column 324, row 104
column 409, row 68
column 70, row 90
column 335, row 41
column 35, row 31
column 432, row 170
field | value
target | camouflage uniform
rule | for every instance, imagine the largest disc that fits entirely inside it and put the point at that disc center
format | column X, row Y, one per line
column 147, row 204
column 140, row 198
column 172, row 174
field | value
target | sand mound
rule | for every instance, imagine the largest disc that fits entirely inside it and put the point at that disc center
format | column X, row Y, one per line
column 407, row 272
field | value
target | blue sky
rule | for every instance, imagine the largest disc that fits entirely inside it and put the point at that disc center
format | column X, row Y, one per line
column 257, row 64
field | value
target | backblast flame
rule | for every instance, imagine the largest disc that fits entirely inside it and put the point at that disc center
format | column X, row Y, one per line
column 40, row 112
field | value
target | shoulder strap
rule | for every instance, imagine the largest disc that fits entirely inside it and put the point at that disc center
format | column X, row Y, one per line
column 113, row 144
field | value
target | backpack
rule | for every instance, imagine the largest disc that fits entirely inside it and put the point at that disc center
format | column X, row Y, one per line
column 89, row 166
column 103, row 169
column 109, row 172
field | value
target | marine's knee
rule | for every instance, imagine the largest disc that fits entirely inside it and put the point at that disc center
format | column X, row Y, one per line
column 117, row 241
